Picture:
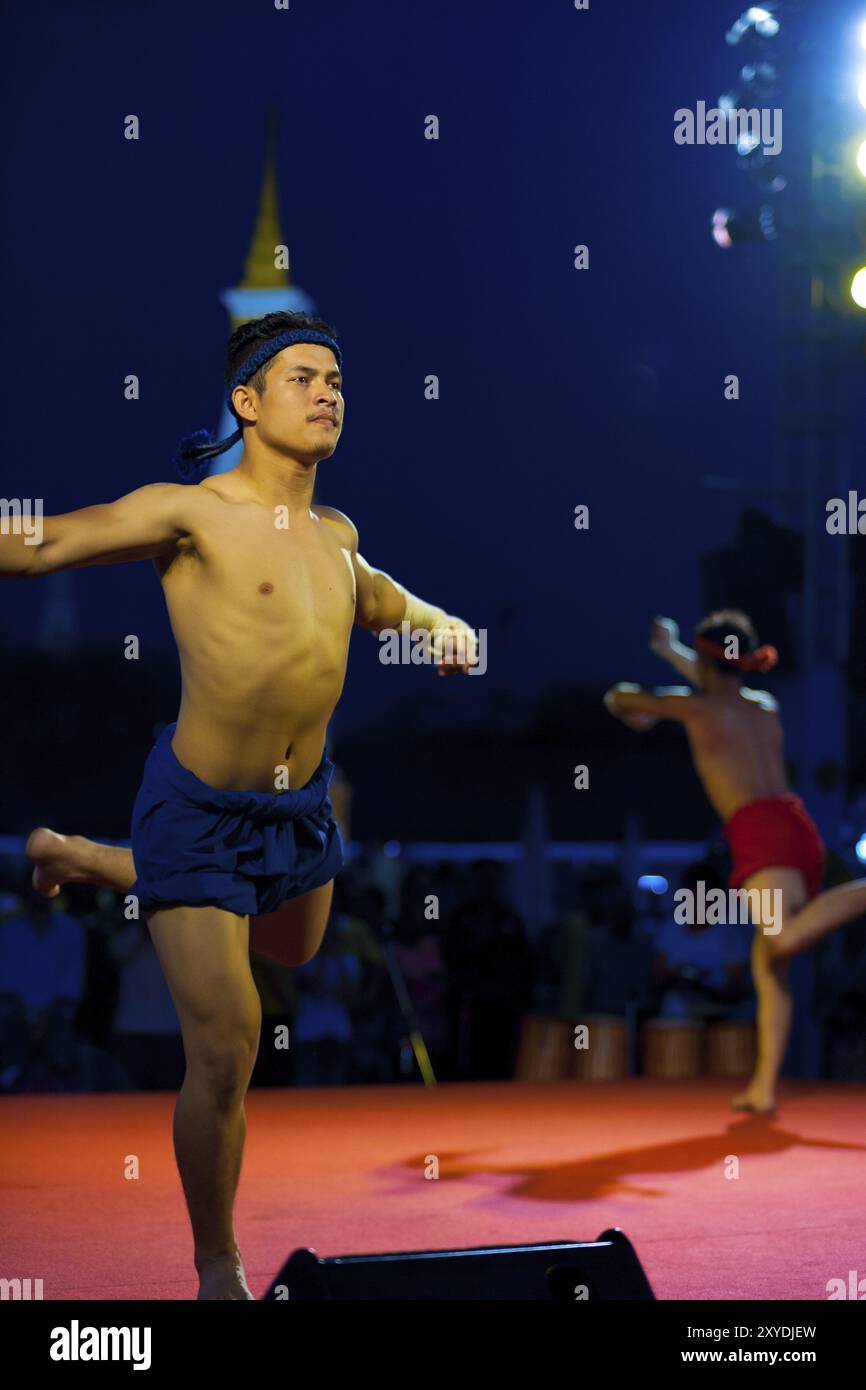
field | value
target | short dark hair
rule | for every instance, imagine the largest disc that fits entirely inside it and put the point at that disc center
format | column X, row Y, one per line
column 246, row 338
column 720, row 627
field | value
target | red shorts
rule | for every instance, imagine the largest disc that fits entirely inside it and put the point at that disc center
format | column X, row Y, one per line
column 776, row 832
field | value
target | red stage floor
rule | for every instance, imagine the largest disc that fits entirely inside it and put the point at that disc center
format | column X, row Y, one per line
column 343, row 1171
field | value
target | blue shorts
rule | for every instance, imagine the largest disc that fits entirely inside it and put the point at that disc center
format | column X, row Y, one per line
column 243, row 851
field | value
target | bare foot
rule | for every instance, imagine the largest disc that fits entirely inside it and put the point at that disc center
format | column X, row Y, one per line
column 55, row 857
column 223, row 1278
column 757, row 1098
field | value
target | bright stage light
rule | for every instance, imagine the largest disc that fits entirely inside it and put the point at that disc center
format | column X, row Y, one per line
column 759, row 74
column 860, row 849
column 765, row 24
column 721, row 235
column 730, row 226
column 858, row 287
column 755, row 20
column 861, row 159
column 748, row 143
column 653, row 883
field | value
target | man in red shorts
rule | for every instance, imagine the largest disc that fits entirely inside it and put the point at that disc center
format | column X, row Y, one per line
column 737, row 744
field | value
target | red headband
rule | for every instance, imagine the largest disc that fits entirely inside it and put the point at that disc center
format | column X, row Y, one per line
column 762, row 659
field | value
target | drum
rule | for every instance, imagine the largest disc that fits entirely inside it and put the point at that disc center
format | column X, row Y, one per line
column 732, row 1049
column 544, row 1052
column 672, row 1048
column 605, row 1058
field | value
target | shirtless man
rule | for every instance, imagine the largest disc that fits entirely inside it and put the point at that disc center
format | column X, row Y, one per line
column 737, row 744
column 233, row 818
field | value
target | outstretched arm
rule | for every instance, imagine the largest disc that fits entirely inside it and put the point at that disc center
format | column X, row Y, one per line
column 665, row 642
column 382, row 603
column 641, row 709
column 140, row 526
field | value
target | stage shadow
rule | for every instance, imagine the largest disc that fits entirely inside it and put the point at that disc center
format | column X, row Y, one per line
column 605, row 1174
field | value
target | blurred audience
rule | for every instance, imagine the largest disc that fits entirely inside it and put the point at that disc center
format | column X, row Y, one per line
column 703, row 969
column 419, row 955
column 146, row 1038
column 321, row 1035
column 42, row 954
column 618, row 974
column 437, row 947
column 489, row 974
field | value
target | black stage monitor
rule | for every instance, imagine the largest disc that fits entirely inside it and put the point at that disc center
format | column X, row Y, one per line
column 562, row 1271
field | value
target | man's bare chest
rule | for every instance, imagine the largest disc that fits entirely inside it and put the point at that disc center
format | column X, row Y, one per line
column 259, row 570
